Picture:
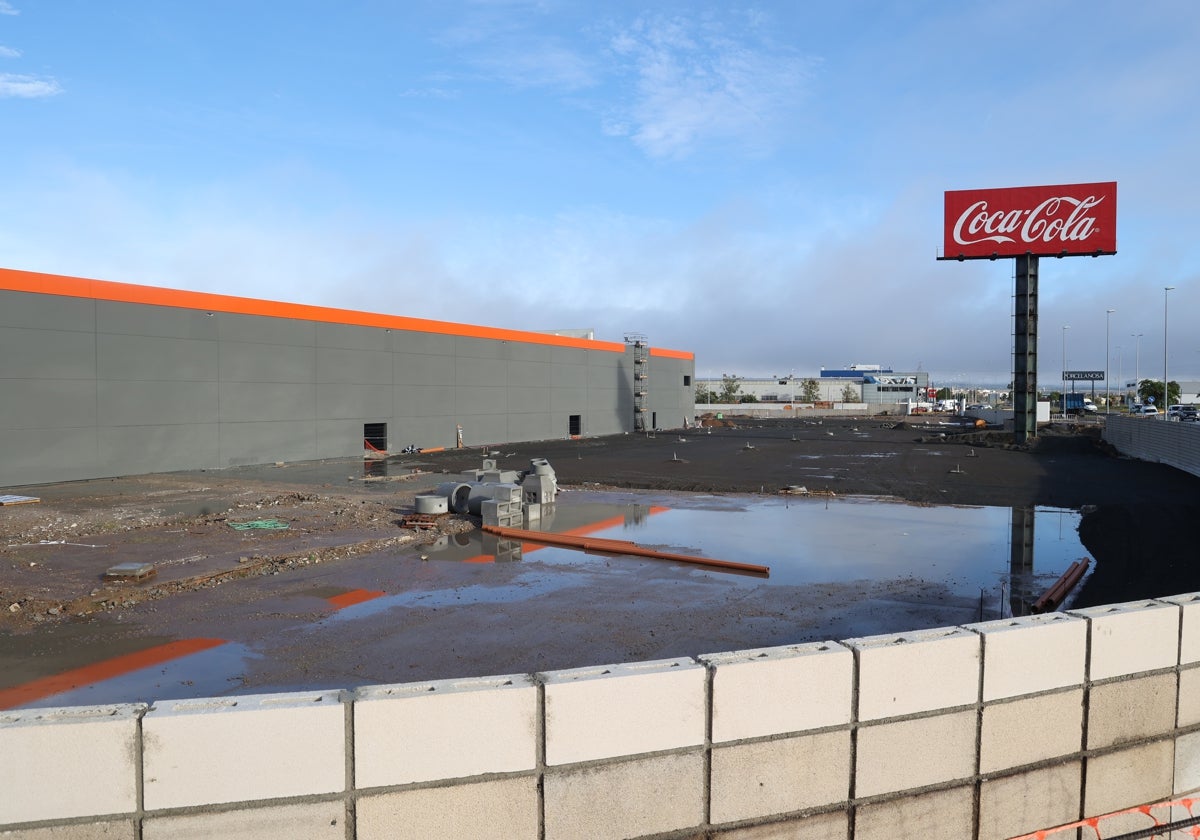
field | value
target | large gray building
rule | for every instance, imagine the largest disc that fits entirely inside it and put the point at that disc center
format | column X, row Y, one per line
column 104, row 379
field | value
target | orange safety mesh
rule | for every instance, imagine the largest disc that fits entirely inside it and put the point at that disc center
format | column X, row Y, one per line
column 1171, row 819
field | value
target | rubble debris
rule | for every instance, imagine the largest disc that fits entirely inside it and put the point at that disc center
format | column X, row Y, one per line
column 129, row 573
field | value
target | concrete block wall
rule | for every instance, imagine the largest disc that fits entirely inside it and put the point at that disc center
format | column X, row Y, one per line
column 983, row 731
column 1153, row 439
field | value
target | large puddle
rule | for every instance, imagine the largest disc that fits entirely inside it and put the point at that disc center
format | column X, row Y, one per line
column 983, row 563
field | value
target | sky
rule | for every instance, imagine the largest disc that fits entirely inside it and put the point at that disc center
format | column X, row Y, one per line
column 759, row 184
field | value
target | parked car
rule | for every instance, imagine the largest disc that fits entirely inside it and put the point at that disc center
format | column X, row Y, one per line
column 1143, row 410
column 1182, row 412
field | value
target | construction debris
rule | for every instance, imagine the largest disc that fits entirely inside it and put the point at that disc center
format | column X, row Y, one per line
column 18, row 500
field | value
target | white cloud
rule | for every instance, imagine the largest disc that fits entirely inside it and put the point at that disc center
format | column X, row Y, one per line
column 13, row 85
column 6, row 8
column 9, row 52
column 697, row 84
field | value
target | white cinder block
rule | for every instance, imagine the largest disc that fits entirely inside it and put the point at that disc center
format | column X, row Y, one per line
column 505, row 808
column 1032, row 653
column 916, row 672
column 829, row 826
column 1031, row 729
column 115, row 830
column 771, row 691
column 1189, row 637
column 448, row 729
column 622, row 710
column 1125, row 711
column 1131, row 638
column 764, row 778
column 1189, row 697
column 941, row 815
column 199, row 752
column 1134, row 776
column 908, row 754
column 69, row 762
column 1187, row 763
column 621, row 799
column 308, row 821
column 1026, row 802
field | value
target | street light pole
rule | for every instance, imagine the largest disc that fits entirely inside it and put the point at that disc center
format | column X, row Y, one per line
column 1062, row 400
column 1107, row 358
column 1137, row 370
column 1166, row 387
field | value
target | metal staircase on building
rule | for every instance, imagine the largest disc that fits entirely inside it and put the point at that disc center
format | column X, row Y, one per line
column 641, row 379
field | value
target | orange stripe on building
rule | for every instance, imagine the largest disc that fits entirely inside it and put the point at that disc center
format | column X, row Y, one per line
column 79, row 287
column 98, row 672
column 672, row 354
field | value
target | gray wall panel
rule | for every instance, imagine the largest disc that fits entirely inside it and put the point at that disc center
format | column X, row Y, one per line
column 532, row 427
column 259, row 330
column 528, row 400
column 24, row 309
column 42, row 456
column 570, row 355
column 257, row 401
column 344, row 438
column 157, row 404
column 46, row 354
column 252, row 362
column 480, row 348
column 568, row 376
column 569, row 400
column 430, row 344
column 343, row 401
column 419, row 369
column 425, row 401
column 160, row 321
column 361, row 367
column 519, row 351
column 483, row 429
column 479, row 373
column 349, row 337
column 47, row 404
column 133, row 450
column 161, row 359
column 528, row 375
column 469, row 401
column 262, row 443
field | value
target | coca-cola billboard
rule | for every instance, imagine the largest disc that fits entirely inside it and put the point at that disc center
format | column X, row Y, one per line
column 1058, row 221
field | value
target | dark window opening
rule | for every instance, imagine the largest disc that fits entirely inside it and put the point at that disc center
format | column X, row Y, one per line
column 653, row 419
column 375, row 436
column 687, row 380
column 575, row 425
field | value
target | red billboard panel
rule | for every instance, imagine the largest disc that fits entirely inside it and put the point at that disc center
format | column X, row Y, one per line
column 1058, row 221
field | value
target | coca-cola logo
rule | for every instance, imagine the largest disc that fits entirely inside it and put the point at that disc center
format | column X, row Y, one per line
column 1061, row 218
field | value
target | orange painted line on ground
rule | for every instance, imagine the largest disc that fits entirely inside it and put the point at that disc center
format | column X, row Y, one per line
column 100, row 671
column 354, row 596
column 54, row 284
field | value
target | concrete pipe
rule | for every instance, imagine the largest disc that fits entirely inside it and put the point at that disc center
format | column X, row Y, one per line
column 432, row 504
column 457, row 495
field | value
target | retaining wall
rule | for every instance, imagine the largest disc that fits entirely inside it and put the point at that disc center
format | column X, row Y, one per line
column 982, row 731
column 1176, row 444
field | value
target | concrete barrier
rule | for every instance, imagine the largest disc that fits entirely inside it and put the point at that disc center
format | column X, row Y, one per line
column 1176, row 444
column 982, row 731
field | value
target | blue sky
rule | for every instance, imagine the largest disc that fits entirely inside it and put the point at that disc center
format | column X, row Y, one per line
column 760, row 184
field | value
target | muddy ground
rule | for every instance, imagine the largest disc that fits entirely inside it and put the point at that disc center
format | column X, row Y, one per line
column 273, row 600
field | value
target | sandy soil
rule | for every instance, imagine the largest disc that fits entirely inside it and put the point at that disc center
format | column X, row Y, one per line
column 266, row 590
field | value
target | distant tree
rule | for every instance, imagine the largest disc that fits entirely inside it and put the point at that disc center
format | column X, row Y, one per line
column 945, row 394
column 747, row 398
column 810, row 391
column 731, row 389
column 1148, row 388
column 704, row 396
column 850, row 394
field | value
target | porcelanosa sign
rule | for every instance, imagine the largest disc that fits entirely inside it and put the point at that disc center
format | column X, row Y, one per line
column 1075, row 219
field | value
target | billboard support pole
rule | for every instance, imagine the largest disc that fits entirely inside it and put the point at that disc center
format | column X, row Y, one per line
column 1025, row 317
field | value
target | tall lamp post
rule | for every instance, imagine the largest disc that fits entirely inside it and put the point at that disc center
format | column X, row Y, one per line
column 1062, row 400
column 1107, row 358
column 1166, row 387
column 1137, row 370
column 1121, row 369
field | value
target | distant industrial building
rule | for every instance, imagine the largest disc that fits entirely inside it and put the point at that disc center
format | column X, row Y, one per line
column 871, row 384
column 106, row 379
